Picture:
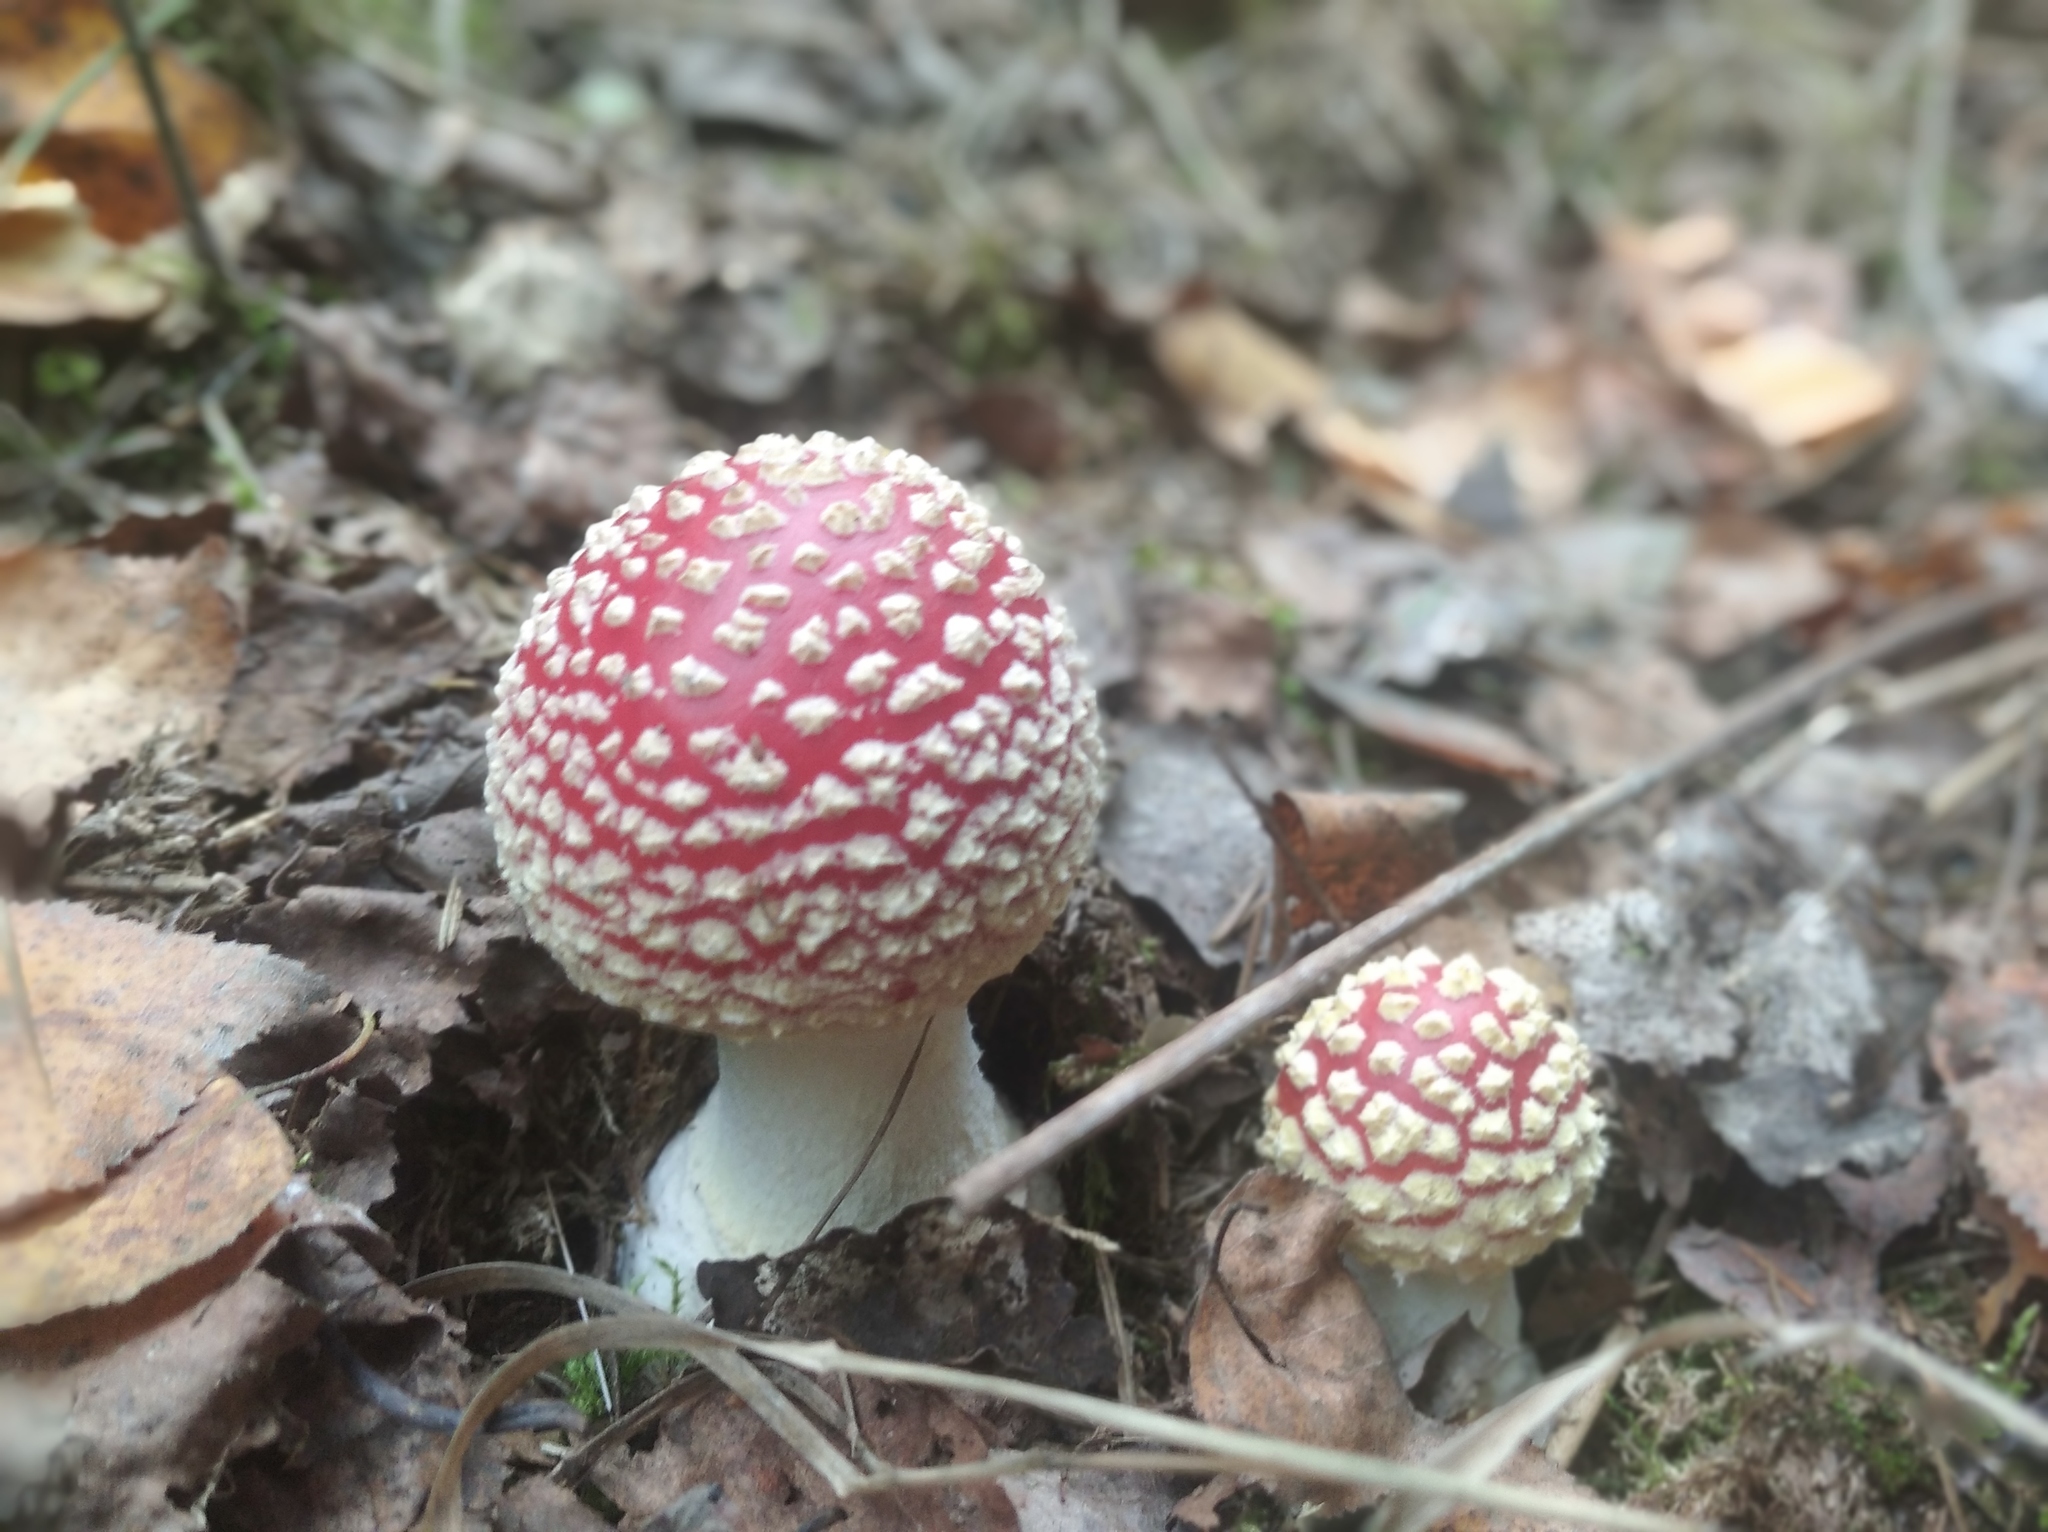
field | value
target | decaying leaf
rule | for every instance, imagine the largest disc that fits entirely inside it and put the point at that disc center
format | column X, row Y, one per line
column 1364, row 849
column 182, row 1199
column 1243, row 381
column 1178, row 831
column 2026, row 1259
column 100, row 653
column 1623, row 711
column 1723, row 954
column 1751, row 344
column 106, row 144
column 133, row 1022
column 1777, row 1283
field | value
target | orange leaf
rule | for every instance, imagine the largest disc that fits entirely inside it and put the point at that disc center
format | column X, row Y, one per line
column 106, row 143
column 188, row 1196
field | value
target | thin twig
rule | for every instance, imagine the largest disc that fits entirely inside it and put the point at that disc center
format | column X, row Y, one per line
column 1119, row 1335
column 341, row 1060
column 372, row 1385
column 1223, row 1288
column 204, row 246
column 875, row 1140
column 1319, row 971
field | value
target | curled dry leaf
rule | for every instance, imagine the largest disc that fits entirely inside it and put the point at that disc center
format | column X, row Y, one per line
column 184, row 1198
column 1631, row 706
column 1243, row 381
column 99, row 654
column 1773, row 1284
column 1745, row 576
column 1364, row 850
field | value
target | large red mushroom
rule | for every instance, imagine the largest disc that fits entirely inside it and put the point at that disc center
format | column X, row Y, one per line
column 794, row 752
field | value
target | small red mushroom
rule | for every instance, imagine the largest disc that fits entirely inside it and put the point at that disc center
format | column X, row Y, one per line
column 1449, row 1108
column 794, row 752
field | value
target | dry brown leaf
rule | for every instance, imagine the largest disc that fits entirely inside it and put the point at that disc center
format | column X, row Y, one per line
column 133, row 1022
column 1990, row 1045
column 1744, row 329
column 1206, row 656
column 186, row 1197
column 99, row 654
column 1746, row 576
column 1629, row 708
column 1281, row 1341
column 1364, row 849
column 106, row 143
column 1243, row 381
column 41, row 1153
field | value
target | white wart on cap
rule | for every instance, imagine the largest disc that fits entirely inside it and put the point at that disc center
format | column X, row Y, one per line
column 794, row 741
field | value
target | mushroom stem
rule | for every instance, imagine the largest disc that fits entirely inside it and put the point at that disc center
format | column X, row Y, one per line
column 788, row 1121
column 1414, row 1308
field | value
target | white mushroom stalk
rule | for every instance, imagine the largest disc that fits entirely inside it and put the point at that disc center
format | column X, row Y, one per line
column 1449, row 1108
column 794, row 752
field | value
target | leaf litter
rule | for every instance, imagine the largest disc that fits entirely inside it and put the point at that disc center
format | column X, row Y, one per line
column 1388, row 514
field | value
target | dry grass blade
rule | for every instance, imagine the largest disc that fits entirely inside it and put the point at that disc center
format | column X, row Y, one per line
column 1206, row 1448
column 1318, row 972
column 642, row 1324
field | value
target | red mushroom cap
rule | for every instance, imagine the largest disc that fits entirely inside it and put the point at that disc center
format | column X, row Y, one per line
column 1449, row 1107
column 793, row 741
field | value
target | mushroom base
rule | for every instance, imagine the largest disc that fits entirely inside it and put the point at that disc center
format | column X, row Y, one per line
column 784, row 1127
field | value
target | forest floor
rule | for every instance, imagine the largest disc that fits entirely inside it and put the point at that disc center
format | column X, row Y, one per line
column 1427, row 414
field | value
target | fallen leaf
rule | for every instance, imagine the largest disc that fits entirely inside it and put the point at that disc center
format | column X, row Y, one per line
column 1431, row 729
column 1293, row 1350
column 1242, row 381
column 383, row 947
column 99, row 654
column 1773, row 1284
column 1624, row 710
column 1363, row 849
column 2026, row 1260
column 182, row 1199
column 1746, row 576
column 1795, row 388
column 535, row 297
column 1990, row 1046
column 928, row 1286
column 322, row 664
column 134, row 1022
column 1021, row 422
column 592, row 439
column 1366, row 308
column 1058, row 1501
column 153, row 1421
column 1178, row 832
column 1206, row 656
column 106, row 142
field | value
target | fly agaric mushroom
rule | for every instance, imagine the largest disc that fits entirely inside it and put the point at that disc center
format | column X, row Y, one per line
column 1449, row 1108
column 793, row 752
